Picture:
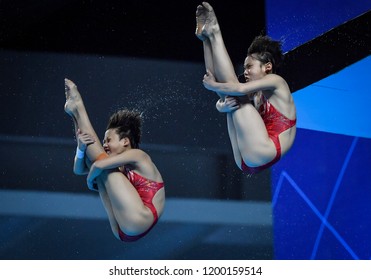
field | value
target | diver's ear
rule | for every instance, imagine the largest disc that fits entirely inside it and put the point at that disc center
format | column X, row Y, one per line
column 268, row 67
column 125, row 142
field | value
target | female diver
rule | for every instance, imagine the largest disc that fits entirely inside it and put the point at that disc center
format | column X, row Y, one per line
column 261, row 115
column 129, row 183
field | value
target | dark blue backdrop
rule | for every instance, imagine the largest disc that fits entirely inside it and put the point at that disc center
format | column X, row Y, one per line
column 322, row 188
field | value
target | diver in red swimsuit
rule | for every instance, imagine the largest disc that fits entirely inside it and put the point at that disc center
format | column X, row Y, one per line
column 275, row 123
column 129, row 184
column 146, row 189
column 261, row 114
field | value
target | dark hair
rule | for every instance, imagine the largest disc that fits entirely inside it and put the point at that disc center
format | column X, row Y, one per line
column 265, row 49
column 128, row 123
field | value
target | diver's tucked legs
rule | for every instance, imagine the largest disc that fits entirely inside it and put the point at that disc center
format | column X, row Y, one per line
column 208, row 56
column 254, row 144
column 223, row 67
column 75, row 107
column 108, row 207
column 200, row 23
column 233, row 139
column 125, row 204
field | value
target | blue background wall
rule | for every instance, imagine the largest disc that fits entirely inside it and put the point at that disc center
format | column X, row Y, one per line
column 321, row 198
column 298, row 22
column 322, row 188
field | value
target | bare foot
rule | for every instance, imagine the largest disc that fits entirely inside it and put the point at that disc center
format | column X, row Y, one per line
column 200, row 21
column 207, row 23
column 73, row 98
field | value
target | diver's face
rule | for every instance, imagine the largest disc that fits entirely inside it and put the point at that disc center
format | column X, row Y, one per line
column 112, row 144
column 254, row 69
